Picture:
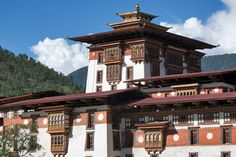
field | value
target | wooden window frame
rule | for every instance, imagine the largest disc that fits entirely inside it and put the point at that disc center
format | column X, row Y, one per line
column 91, row 121
column 116, row 141
column 113, row 72
column 193, row 136
column 100, row 57
column 193, row 154
column 208, row 118
column 227, row 153
column 58, row 142
column 89, row 145
column 224, row 138
column 229, row 117
column 129, row 75
column 99, row 76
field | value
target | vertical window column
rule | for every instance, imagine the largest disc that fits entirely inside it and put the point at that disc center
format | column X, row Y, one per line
column 193, row 136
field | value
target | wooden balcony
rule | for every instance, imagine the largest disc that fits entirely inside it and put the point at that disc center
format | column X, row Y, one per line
column 57, row 128
column 153, row 145
column 58, row 149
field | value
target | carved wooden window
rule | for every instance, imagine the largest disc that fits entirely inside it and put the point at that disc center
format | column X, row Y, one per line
column 193, row 154
column 153, row 140
column 193, row 136
column 225, row 154
column 91, row 120
column 173, row 57
column 57, row 121
column 185, row 119
column 138, row 51
column 113, row 72
column 58, row 143
column 99, row 76
column 208, row 118
column 100, row 58
column 90, row 140
column 98, row 88
column 194, row 61
column 155, row 69
column 229, row 117
column 129, row 73
column 116, row 140
column 112, row 54
column 226, row 135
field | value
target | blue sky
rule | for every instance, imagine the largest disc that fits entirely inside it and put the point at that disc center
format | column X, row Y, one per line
column 37, row 27
column 25, row 22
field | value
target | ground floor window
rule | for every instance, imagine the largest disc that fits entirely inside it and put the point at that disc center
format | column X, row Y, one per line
column 225, row 154
column 194, row 154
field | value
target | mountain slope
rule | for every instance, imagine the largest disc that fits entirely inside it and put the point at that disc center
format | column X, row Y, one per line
column 218, row 62
column 209, row 63
column 20, row 74
column 80, row 76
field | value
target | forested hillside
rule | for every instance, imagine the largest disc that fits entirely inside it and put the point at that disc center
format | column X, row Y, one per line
column 218, row 62
column 80, row 76
column 21, row 74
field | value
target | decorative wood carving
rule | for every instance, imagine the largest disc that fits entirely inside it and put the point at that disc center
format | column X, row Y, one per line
column 112, row 55
column 113, row 72
column 155, row 136
column 58, row 128
column 144, row 52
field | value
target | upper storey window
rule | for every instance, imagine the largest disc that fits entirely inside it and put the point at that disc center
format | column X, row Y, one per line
column 129, row 73
column 99, row 76
column 174, row 58
column 100, row 58
column 91, row 120
column 112, row 55
column 144, row 51
column 113, row 72
column 56, row 122
column 194, row 61
column 137, row 52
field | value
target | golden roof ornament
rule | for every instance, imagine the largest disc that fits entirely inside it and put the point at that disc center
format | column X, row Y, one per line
column 137, row 7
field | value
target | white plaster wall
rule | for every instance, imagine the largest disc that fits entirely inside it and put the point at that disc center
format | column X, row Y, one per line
column 203, row 151
column 91, row 76
column 44, row 139
column 140, row 70
column 103, row 142
column 76, row 146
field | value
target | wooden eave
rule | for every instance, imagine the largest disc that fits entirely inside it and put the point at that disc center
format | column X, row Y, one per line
column 153, row 125
column 156, row 34
column 227, row 76
column 181, row 100
column 75, row 100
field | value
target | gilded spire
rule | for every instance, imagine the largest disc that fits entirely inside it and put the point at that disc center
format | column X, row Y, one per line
column 137, row 7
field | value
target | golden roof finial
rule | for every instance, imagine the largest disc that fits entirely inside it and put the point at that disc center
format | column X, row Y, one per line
column 137, row 7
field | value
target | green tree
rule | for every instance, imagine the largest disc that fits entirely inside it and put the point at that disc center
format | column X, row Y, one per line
column 19, row 141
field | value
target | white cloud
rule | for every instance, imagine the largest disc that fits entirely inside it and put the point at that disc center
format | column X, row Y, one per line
column 59, row 55
column 220, row 29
